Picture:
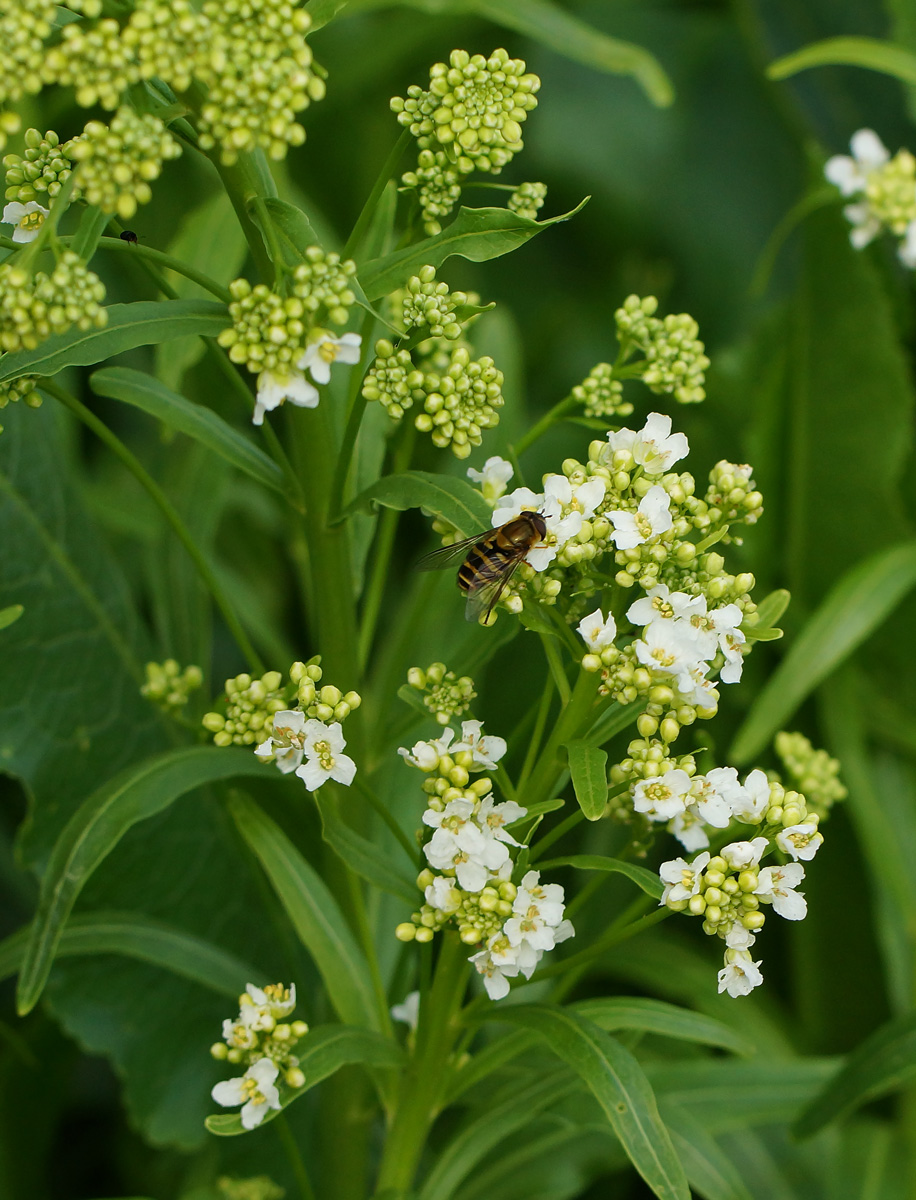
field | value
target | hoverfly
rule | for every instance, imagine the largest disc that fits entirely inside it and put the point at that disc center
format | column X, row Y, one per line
column 488, row 560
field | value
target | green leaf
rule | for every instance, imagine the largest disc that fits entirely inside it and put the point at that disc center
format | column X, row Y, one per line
column 143, row 323
column 476, row 233
column 443, row 496
column 588, row 770
column 771, row 608
column 134, row 936
column 669, row 1020
column 323, row 1051
column 710, row 1171
column 292, row 226
column 615, row 718
column 96, row 828
column 11, row 613
column 314, row 914
column 565, row 34
column 202, row 424
column 619, row 1085
column 91, row 227
column 648, row 881
column 361, row 855
column 882, row 1063
column 848, row 51
column 855, row 607
column 324, row 11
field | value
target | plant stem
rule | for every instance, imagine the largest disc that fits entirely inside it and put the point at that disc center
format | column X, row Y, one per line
column 574, row 718
column 170, row 513
column 540, row 427
column 555, row 834
column 163, row 260
column 555, row 662
column 355, row 410
column 306, row 1191
column 578, row 962
column 538, row 732
column 362, row 221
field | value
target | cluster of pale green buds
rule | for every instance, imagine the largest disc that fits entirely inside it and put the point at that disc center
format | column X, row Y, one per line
column 23, row 29
column 117, row 162
column 168, row 41
column 885, row 191
column 94, row 61
column 601, row 394
column 731, row 498
column 41, row 171
column 32, row 309
column 437, row 182
column 430, row 304
column 255, row 1187
column 445, row 695
column 675, row 361
column 23, row 389
column 261, row 1031
column 168, row 686
column 528, row 199
column 815, row 772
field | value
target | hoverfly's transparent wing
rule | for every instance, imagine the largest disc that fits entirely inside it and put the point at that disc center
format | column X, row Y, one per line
column 482, row 600
column 447, row 556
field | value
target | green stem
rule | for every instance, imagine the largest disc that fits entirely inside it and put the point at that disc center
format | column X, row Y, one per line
column 167, row 509
column 555, row 834
column 540, row 427
column 362, row 221
column 306, row 1191
column 574, row 718
column 538, row 731
column 355, row 410
column 382, row 810
column 270, row 236
column 555, row 662
column 573, row 967
column 163, row 260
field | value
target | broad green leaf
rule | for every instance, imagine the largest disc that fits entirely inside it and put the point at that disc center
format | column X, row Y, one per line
column 11, row 613
column 202, row 424
column 669, row 1020
column 292, row 227
column 476, row 233
column 444, row 496
column 563, row 33
column 851, row 52
column 324, row 11
column 361, row 855
column 135, row 936
column 709, row 1169
column 855, row 607
column 323, row 1051
column 588, row 770
column 882, row 1063
column 619, row 1085
column 143, row 323
column 771, row 608
column 648, row 881
column 96, row 828
column 314, row 914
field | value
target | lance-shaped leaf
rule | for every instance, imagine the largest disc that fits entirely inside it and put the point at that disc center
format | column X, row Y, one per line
column 322, row 1052
column 361, row 855
column 96, row 828
column 848, row 51
column 443, row 496
column 648, row 881
column 143, row 323
column 657, row 1016
column 11, row 613
column 202, row 424
column 588, row 770
column 712, row 1173
column 476, row 233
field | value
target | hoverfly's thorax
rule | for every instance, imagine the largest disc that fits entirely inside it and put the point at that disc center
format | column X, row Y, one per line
column 525, row 530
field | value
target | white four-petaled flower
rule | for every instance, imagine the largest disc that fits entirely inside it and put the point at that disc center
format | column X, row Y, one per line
column 493, row 478
column 777, row 885
column 322, row 745
column 652, row 517
column 274, row 387
column 324, row 351
column 255, row 1091
column 28, row 219
column 654, row 447
column 740, row 975
column 597, row 631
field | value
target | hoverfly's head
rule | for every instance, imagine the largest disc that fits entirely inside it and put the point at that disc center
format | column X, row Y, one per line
column 539, row 524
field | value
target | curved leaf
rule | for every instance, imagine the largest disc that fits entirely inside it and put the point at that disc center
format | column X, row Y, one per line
column 848, row 51
column 852, row 610
column 588, row 771
column 202, row 424
column 133, row 936
column 96, row 828
column 314, row 913
column 11, row 613
column 710, row 1171
column 669, row 1020
column 620, row 1086
column 324, row 1051
column 476, row 233
column 361, row 855
column 647, row 880
column 143, row 323
column 444, row 496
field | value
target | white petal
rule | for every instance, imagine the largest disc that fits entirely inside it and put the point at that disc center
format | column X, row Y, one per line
column 344, row 769
column 313, row 774
column 868, row 149
column 229, row 1092
column 842, row 171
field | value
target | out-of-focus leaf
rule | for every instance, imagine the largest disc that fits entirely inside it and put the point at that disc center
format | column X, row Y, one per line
column 612, row 721
column 11, row 613
column 323, row 11
column 96, row 828
column 851, row 52
column 476, row 233
column 314, row 914
column 588, row 770
column 292, row 227
column 648, row 881
column 710, row 1171
column 443, row 496
column 91, row 227
column 202, row 424
column 143, row 323
column 322, row 1052
column 771, row 608
column 669, row 1020
column 361, row 855
column 854, row 608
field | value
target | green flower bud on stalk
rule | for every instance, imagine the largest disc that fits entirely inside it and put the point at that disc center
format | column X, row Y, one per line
column 528, row 199
column 40, row 172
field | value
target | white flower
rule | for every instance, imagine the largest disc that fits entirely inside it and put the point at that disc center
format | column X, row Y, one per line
column 408, row 1011
column 740, row 975
column 274, row 1000
column 442, row 894
column 751, row 806
column 776, row 886
column 687, row 827
column 739, row 938
column 682, row 878
column 286, row 742
column 240, row 1034
column 493, row 478
column 486, row 751
column 550, row 504
column 495, row 974
column 493, row 818
column 660, row 603
column 710, row 803
column 465, row 849
column 654, row 448
column 800, row 841
column 537, row 913
column 325, row 350
column 521, row 500
column 725, row 781
column 652, row 517
column 669, row 648
column 906, row 251
column 254, row 1090
column 323, row 744
column 851, row 174
column 274, row 388
column 741, row 855
column 584, row 498
column 28, row 219
column 865, row 225
column 663, row 796
column 596, row 631
column 426, row 755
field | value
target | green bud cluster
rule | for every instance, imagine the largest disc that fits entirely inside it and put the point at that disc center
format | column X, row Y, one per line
column 258, row 70
column 528, row 199
column 648, row 758
column 438, row 185
column 674, row 355
column 890, row 191
column 86, row 8
column 94, row 61
column 244, row 1042
column 446, row 696
column 256, row 1187
column 461, row 403
column 168, row 686
column 24, row 26
column 429, row 304
column 324, row 284
column 23, row 389
column 815, row 772
column 732, row 496
column 166, row 39
column 481, row 914
column 117, row 162
column 250, row 707
column 787, row 806
column 41, row 171
column 725, row 898
column 32, row 309
column 393, row 379
column 326, row 703
column 601, row 394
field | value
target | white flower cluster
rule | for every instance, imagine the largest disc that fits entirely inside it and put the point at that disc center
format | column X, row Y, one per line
column 294, row 738
column 565, row 509
column 469, row 879
column 885, row 188
column 320, row 355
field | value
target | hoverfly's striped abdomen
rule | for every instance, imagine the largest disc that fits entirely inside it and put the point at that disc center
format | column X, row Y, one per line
column 500, row 550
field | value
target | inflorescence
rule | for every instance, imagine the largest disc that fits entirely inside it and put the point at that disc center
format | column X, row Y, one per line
column 884, row 189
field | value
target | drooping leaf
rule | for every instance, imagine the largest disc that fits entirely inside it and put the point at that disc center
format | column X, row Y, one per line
column 476, row 233
column 11, row 613
column 443, row 496
column 143, row 323
column 202, row 424
column 648, row 881
column 669, row 1020
column 710, row 1171
column 867, row 52
column 363, row 856
column 96, row 828
column 588, row 770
